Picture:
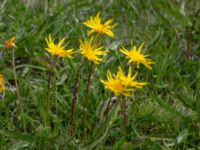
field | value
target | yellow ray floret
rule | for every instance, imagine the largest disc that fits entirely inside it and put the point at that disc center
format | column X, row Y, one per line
column 91, row 51
column 135, row 56
column 58, row 49
column 2, row 83
column 9, row 43
column 101, row 28
column 129, row 80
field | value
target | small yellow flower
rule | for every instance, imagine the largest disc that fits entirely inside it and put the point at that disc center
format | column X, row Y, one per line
column 135, row 56
column 128, row 81
column 96, row 26
column 115, row 85
column 9, row 43
column 2, row 83
column 91, row 51
column 59, row 49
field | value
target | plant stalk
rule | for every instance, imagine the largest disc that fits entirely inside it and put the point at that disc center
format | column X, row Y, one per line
column 75, row 90
column 86, row 104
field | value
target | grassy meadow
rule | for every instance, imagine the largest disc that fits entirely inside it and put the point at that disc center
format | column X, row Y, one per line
column 164, row 114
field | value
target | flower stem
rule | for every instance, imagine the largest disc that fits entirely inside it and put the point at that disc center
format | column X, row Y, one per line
column 86, row 104
column 49, row 87
column 75, row 89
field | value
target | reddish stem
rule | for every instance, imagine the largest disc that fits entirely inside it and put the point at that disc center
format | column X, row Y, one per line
column 75, row 89
column 86, row 104
column 73, row 108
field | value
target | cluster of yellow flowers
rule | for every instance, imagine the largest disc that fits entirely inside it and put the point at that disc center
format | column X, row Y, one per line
column 88, row 48
column 119, row 83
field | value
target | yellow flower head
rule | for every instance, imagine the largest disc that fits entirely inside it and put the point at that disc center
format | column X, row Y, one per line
column 96, row 26
column 58, row 49
column 135, row 56
column 9, row 43
column 128, row 81
column 2, row 83
column 91, row 51
column 115, row 85
column 122, row 84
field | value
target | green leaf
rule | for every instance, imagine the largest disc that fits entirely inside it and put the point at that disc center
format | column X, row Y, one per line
column 19, row 145
column 15, row 135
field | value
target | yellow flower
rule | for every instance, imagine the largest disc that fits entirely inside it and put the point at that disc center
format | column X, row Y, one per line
column 122, row 84
column 128, row 81
column 9, row 43
column 115, row 85
column 91, row 51
column 135, row 56
column 2, row 84
column 58, row 49
column 96, row 26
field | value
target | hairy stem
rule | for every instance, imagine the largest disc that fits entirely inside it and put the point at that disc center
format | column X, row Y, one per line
column 86, row 104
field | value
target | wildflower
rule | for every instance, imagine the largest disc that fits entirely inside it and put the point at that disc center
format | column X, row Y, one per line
column 115, row 85
column 9, row 43
column 58, row 49
column 96, row 26
column 128, row 81
column 2, row 84
column 135, row 56
column 122, row 84
column 91, row 51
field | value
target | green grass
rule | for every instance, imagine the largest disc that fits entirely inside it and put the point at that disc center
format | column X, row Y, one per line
column 163, row 115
